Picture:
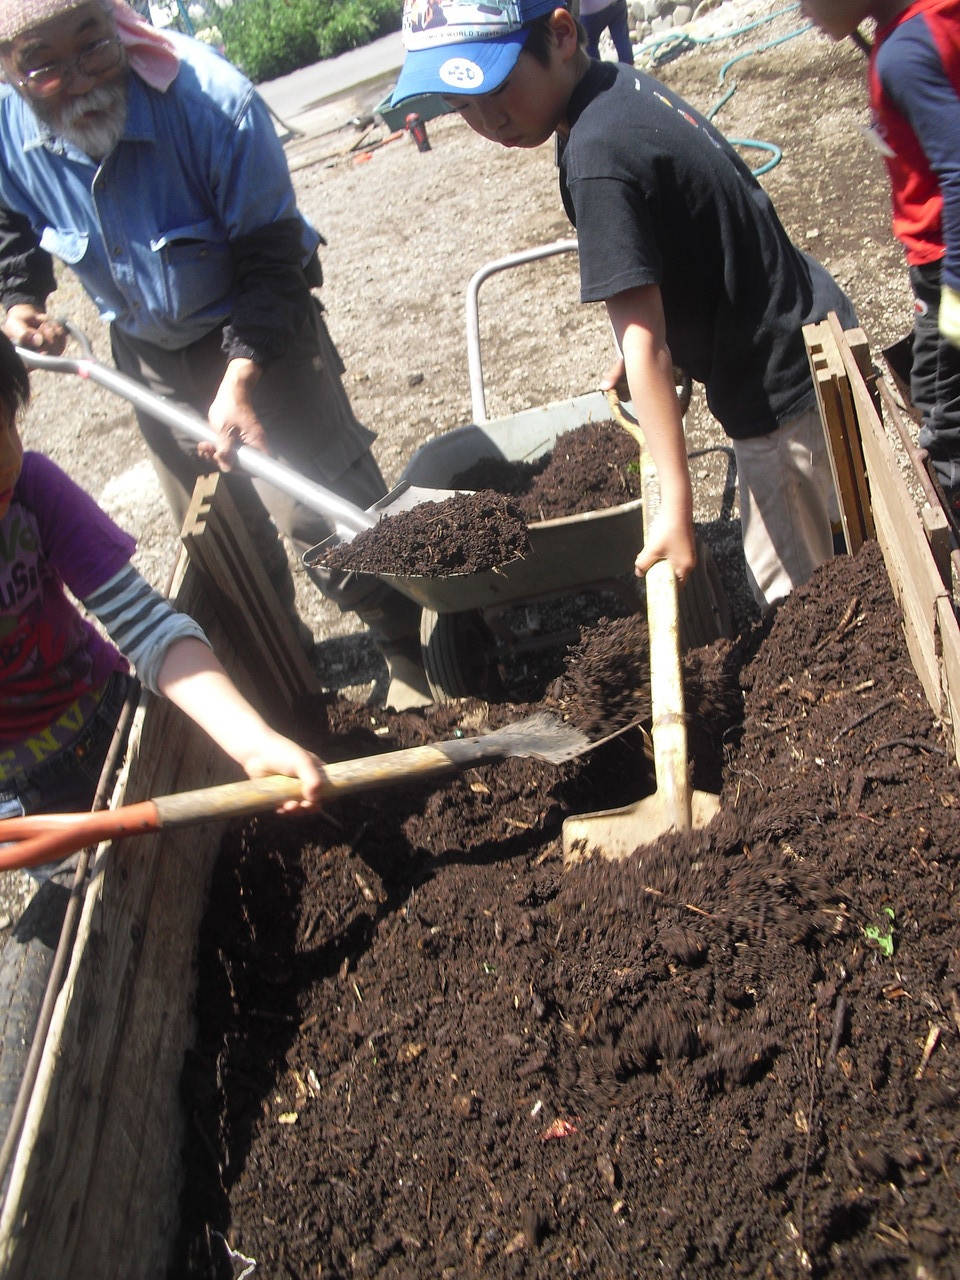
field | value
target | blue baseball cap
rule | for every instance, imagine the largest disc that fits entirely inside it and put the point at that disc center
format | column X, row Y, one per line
column 458, row 48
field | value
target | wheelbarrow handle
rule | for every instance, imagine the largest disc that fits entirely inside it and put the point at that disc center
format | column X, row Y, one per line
column 347, row 518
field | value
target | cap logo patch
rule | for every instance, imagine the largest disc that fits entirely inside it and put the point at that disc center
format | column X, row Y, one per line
column 461, row 73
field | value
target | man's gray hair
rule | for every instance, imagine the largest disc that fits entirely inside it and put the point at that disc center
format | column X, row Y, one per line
column 17, row 16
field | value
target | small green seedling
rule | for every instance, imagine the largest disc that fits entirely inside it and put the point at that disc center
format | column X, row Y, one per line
column 880, row 937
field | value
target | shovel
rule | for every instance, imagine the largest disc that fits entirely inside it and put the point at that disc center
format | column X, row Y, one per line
column 674, row 806
column 47, row 837
column 347, row 519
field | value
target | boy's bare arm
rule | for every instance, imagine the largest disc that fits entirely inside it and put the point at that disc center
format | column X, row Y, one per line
column 638, row 322
column 191, row 677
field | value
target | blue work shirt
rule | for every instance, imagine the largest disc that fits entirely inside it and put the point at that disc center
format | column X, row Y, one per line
column 149, row 230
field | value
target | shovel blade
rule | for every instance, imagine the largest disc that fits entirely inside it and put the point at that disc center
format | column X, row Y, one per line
column 615, row 834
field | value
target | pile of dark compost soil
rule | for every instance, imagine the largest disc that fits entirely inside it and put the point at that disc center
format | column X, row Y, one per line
column 465, row 533
column 589, row 468
column 426, row 1048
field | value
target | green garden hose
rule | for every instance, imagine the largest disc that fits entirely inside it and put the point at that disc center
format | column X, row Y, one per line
column 680, row 42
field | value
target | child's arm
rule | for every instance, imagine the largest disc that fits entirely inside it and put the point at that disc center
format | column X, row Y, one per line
column 638, row 322
column 172, row 657
column 191, row 677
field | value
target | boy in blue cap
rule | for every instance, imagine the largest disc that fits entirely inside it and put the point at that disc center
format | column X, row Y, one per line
column 914, row 81
column 683, row 246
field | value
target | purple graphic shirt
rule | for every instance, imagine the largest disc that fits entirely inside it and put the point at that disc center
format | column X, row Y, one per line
column 53, row 535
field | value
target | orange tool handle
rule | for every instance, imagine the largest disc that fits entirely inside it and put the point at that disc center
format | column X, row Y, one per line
column 46, row 837
column 43, row 838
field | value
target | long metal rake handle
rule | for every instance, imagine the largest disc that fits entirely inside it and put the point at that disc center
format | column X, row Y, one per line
column 349, row 519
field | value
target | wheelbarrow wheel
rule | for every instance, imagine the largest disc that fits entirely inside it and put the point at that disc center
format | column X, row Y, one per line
column 703, row 604
column 459, row 656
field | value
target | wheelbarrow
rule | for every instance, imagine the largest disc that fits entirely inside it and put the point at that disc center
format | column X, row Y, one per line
column 468, row 619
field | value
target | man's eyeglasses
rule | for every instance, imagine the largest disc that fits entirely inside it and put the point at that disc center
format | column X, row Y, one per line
column 97, row 58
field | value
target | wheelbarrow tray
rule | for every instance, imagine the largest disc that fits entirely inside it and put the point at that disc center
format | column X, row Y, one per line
column 566, row 553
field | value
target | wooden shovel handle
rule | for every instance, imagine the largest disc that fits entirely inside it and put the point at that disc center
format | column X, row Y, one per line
column 669, row 727
column 31, row 841
column 256, row 795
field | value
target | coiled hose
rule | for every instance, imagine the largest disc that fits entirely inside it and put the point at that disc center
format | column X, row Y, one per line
column 672, row 45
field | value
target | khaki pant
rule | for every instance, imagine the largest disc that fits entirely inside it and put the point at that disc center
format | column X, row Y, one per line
column 787, row 506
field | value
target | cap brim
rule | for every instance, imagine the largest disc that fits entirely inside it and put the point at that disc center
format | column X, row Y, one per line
column 456, row 70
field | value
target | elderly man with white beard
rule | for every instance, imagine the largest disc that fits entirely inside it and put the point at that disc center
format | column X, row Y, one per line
column 149, row 165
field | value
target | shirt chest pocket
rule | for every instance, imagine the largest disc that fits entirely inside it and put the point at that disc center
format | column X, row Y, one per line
column 194, row 269
column 69, row 246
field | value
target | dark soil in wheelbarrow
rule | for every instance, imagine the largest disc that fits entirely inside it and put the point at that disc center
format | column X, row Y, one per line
column 590, row 468
column 465, row 533
column 426, row 1049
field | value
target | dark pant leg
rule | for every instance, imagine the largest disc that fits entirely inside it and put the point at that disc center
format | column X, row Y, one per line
column 619, row 24
column 616, row 18
column 190, row 378
column 935, row 378
column 594, row 24
column 310, row 427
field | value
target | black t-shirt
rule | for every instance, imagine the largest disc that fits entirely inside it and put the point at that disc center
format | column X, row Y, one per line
column 659, row 197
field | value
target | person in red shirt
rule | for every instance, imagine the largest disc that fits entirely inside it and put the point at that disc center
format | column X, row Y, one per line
column 914, row 81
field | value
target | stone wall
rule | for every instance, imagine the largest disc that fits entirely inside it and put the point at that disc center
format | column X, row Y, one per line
column 650, row 17
column 654, row 17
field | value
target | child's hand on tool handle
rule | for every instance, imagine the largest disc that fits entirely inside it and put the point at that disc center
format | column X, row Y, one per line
column 669, row 533
column 193, row 679
column 639, row 326
column 28, row 326
column 274, row 754
column 614, row 378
